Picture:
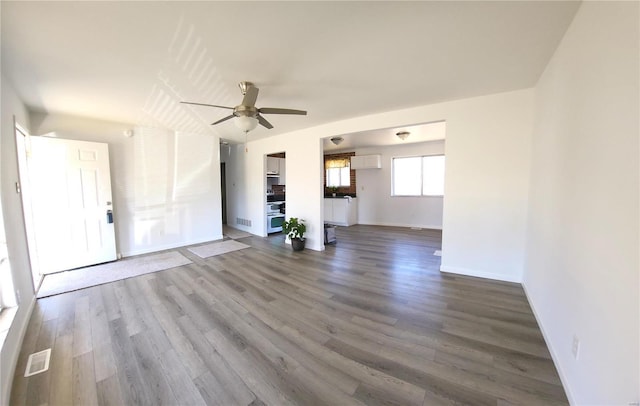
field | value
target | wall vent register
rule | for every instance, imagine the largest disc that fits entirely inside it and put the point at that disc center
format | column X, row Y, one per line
column 38, row 362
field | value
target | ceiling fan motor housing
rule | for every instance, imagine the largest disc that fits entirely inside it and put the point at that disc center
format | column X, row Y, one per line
column 245, row 111
column 247, row 115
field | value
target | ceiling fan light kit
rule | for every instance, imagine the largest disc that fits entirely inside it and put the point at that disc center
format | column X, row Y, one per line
column 246, row 123
column 403, row 135
column 247, row 115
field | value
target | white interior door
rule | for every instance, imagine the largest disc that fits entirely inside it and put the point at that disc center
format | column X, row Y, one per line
column 71, row 203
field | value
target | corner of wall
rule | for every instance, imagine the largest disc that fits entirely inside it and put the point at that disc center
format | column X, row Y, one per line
column 580, row 268
column 549, row 343
column 14, row 353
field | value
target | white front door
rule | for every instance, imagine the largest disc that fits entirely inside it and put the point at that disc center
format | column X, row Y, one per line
column 71, row 203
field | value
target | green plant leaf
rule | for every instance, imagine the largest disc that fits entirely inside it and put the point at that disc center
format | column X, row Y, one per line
column 294, row 228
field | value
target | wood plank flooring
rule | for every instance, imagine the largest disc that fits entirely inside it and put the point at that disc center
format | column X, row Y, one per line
column 370, row 320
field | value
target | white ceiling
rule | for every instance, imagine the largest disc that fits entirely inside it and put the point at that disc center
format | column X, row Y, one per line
column 133, row 62
column 387, row 136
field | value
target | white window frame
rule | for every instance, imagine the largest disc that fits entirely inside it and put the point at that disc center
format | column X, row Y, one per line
column 340, row 171
column 393, row 193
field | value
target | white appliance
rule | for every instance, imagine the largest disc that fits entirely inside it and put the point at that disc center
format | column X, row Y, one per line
column 275, row 217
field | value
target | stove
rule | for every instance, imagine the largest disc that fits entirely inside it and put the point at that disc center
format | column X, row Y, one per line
column 275, row 216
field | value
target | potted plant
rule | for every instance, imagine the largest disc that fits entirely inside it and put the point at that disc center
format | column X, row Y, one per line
column 295, row 228
column 334, row 190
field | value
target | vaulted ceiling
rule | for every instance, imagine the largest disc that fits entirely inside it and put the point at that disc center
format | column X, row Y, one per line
column 133, row 62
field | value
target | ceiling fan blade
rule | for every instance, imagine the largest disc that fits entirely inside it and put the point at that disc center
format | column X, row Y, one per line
column 263, row 121
column 274, row 110
column 223, row 119
column 250, row 96
column 208, row 105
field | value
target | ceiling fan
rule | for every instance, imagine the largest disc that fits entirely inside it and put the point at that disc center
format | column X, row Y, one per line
column 247, row 115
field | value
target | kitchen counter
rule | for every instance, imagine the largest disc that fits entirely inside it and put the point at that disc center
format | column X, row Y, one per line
column 340, row 196
column 340, row 211
column 276, row 198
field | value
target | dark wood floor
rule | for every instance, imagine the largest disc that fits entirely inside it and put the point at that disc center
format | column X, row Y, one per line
column 368, row 321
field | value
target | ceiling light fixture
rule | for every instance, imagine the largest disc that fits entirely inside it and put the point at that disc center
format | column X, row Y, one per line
column 403, row 135
column 337, row 140
column 246, row 123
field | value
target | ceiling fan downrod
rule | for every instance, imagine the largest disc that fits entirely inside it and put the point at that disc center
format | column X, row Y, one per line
column 244, row 86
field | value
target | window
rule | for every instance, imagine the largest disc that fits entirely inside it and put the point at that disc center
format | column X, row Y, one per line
column 338, row 171
column 418, row 176
column 338, row 177
column 7, row 297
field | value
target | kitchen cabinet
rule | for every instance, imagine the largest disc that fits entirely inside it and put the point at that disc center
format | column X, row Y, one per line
column 273, row 165
column 282, row 170
column 328, row 210
column 341, row 211
column 366, row 162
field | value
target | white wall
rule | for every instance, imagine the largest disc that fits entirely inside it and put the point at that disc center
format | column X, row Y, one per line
column 304, row 182
column 15, row 234
column 375, row 203
column 582, row 269
column 486, row 182
column 166, row 185
column 486, row 185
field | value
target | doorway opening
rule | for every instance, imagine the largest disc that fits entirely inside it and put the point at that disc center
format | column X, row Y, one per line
column 386, row 177
column 276, row 179
column 223, row 191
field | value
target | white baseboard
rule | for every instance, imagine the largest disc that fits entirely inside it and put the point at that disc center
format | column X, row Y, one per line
column 15, row 353
column 429, row 227
column 547, row 341
column 171, row 246
column 479, row 274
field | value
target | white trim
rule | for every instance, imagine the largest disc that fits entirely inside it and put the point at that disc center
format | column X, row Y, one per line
column 15, row 353
column 171, row 246
column 21, row 133
column 479, row 274
column 547, row 341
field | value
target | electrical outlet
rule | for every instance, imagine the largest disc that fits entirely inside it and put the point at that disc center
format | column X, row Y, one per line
column 575, row 347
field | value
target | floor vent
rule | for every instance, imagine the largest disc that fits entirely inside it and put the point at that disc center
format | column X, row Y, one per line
column 38, row 362
column 438, row 253
column 243, row 222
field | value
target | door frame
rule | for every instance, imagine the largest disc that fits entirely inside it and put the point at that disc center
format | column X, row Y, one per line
column 223, row 191
column 23, row 187
column 24, row 150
